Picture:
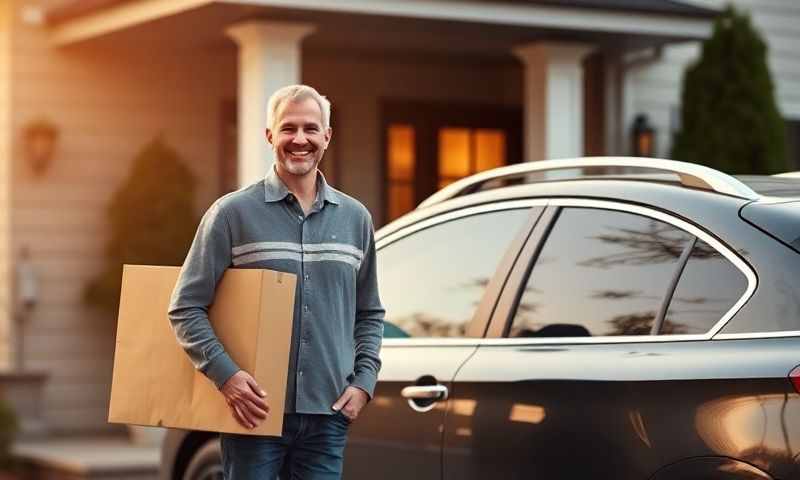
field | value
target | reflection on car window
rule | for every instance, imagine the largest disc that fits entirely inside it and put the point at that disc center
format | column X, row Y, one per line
column 709, row 286
column 600, row 272
column 432, row 281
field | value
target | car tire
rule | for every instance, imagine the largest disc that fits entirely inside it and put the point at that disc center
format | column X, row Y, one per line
column 206, row 463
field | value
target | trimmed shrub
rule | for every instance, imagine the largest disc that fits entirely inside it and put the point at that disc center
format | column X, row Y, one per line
column 729, row 117
column 152, row 220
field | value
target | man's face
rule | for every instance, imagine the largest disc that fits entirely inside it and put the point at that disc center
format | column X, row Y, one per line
column 299, row 139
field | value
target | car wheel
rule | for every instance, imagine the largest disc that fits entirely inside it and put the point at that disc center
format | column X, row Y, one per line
column 206, row 463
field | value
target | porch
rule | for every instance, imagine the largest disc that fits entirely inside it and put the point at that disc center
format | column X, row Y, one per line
column 423, row 93
column 83, row 458
column 554, row 70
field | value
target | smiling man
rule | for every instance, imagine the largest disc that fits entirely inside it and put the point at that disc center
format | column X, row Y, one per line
column 291, row 221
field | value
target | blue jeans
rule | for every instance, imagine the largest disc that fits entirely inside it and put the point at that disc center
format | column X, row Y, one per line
column 311, row 448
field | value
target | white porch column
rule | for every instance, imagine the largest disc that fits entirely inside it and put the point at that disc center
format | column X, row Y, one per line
column 553, row 99
column 269, row 58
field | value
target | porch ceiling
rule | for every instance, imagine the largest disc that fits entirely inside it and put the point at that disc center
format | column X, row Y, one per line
column 337, row 31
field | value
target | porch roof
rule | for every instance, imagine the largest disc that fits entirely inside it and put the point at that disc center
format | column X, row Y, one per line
column 656, row 21
column 670, row 7
column 77, row 8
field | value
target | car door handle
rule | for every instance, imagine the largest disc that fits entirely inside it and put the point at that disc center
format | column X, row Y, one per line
column 425, row 392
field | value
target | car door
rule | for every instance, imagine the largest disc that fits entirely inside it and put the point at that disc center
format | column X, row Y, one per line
column 555, row 393
column 439, row 280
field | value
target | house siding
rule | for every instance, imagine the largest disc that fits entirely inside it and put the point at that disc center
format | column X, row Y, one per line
column 6, row 323
column 655, row 88
column 108, row 98
column 107, row 101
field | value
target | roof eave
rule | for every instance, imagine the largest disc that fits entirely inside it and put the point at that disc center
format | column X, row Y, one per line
column 75, row 25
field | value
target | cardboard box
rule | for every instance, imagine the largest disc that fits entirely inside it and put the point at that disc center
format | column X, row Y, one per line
column 155, row 384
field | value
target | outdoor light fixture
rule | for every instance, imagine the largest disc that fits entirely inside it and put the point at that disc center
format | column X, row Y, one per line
column 27, row 282
column 644, row 137
column 39, row 143
column 26, row 285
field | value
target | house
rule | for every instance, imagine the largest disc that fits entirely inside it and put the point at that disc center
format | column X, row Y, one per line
column 424, row 92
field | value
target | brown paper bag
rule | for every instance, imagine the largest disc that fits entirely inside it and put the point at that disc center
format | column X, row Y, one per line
column 155, row 384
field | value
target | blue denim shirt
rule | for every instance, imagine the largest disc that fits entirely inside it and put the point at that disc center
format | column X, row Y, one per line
column 338, row 316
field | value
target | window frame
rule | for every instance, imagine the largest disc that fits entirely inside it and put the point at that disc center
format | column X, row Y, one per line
column 427, row 117
column 477, row 327
column 507, row 303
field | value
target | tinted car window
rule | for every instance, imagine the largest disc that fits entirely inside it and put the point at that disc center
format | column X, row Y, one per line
column 600, row 272
column 432, row 281
column 709, row 286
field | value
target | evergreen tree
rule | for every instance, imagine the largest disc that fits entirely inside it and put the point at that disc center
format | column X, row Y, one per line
column 729, row 117
column 152, row 220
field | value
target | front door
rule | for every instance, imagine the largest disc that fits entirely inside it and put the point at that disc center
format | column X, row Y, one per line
column 429, row 145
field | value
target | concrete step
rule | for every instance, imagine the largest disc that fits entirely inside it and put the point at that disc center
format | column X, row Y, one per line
column 96, row 458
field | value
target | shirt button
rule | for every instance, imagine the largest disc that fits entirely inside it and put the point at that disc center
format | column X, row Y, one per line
column 290, row 198
column 301, row 373
column 300, row 217
column 308, row 276
column 305, row 308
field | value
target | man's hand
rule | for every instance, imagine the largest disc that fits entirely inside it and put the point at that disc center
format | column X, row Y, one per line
column 246, row 399
column 351, row 402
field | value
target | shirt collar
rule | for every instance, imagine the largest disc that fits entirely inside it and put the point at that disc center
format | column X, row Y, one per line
column 275, row 190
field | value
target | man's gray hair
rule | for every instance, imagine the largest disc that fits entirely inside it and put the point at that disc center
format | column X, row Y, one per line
column 297, row 93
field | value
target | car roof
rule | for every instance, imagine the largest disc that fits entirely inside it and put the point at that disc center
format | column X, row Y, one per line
column 688, row 175
column 692, row 191
column 698, row 205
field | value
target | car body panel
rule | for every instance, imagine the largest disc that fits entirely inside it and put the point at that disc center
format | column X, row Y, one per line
column 392, row 440
column 711, row 468
column 779, row 219
column 621, row 410
column 177, row 450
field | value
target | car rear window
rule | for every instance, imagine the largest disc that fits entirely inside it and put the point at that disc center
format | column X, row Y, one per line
column 781, row 220
column 709, row 286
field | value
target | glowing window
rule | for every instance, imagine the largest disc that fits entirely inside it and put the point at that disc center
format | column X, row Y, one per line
column 401, row 154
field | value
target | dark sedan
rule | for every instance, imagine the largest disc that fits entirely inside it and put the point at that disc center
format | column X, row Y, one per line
column 583, row 318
